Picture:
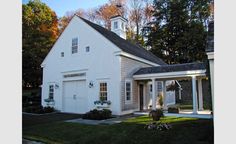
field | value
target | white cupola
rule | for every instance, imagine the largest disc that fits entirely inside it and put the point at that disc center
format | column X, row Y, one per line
column 118, row 26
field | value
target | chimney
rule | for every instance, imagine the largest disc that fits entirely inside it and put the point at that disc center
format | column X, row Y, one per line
column 118, row 25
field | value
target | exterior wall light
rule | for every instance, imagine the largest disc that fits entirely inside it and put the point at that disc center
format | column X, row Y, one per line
column 91, row 84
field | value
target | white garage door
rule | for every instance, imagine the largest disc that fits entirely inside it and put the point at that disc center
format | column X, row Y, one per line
column 75, row 97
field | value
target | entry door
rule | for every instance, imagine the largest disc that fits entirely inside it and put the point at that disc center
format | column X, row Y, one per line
column 75, row 97
column 141, row 96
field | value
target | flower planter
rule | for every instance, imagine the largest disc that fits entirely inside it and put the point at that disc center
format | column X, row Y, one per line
column 102, row 106
column 50, row 102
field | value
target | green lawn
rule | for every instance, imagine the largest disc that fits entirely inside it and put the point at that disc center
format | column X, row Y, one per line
column 189, row 105
column 184, row 131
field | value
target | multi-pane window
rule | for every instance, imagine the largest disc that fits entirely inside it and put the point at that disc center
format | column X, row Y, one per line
column 116, row 25
column 74, row 45
column 51, row 91
column 103, row 91
column 128, row 90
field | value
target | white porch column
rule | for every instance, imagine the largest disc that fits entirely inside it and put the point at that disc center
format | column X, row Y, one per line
column 194, row 93
column 153, row 94
column 200, row 96
column 164, row 95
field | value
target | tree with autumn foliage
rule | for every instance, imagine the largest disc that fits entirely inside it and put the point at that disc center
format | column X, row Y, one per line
column 40, row 30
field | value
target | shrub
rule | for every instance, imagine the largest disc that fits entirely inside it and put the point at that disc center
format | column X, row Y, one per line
column 106, row 113
column 48, row 109
column 156, row 114
column 39, row 109
column 173, row 109
column 98, row 114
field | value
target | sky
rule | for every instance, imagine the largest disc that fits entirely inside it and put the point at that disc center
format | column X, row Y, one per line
column 62, row 6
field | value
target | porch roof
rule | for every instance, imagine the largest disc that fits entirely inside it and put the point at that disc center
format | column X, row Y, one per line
column 171, row 71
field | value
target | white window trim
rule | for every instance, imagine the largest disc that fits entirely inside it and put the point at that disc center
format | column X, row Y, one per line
column 116, row 25
column 99, row 92
column 51, row 84
column 131, row 91
column 77, row 46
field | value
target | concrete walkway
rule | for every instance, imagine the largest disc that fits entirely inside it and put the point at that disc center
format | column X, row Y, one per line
column 97, row 122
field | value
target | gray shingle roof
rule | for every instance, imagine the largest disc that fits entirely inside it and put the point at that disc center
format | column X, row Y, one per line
column 125, row 45
column 171, row 68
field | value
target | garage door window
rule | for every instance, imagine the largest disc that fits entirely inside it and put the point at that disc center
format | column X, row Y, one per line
column 103, row 91
column 51, row 91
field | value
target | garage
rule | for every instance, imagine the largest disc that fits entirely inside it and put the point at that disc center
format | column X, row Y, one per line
column 75, row 97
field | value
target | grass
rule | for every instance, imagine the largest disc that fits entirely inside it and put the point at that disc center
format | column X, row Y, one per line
column 131, row 131
column 186, row 106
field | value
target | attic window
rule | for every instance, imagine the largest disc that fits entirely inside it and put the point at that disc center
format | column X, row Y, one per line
column 74, row 45
column 62, row 54
column 87, row 49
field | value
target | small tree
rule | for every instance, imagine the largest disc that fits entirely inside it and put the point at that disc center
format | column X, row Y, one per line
column 160, row 100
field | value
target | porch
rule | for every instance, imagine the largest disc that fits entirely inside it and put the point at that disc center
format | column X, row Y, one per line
column 166, row 73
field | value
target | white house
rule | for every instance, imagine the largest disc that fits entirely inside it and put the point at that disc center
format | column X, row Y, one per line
column 210, row 55
column 88, row 63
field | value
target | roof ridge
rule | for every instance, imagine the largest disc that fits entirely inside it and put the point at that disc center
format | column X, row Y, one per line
column 125, row 45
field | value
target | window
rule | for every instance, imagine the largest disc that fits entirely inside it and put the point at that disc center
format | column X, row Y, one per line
column 103, row 91
column 122, row 26
column 159, row 86
column 74, row 45
column 62, row 54
column 51, row 91
column 128, row 91
column 87, row 49
column 116, row 25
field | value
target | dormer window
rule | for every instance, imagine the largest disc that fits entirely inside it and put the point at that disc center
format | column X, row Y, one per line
column 115, row 25
column 74, row 45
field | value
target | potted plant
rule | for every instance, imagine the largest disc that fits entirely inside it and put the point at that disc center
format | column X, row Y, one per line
column 156, row 114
